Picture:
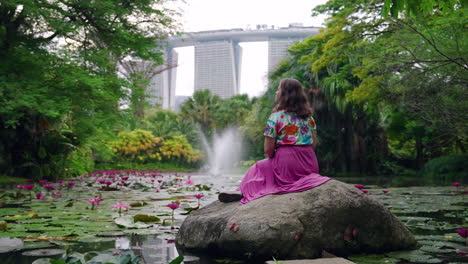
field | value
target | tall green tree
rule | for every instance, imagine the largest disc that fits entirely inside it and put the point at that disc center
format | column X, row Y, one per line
column 413, row 65
column 201, row 108
column 58, row 78
column 233, row 111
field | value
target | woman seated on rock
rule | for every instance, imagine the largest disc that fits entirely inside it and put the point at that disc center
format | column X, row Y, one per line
column 290, row 139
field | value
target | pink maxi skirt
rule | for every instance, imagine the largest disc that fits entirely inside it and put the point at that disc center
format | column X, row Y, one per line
column 292, row 169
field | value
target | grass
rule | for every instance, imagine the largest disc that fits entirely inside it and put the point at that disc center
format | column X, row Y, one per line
column 161, row 167
column 4, row 180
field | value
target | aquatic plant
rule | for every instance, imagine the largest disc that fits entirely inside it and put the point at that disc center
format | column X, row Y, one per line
column 94, row 202
column 173, row 207
column 121, row 206
column 463, row 232
column 360, row 187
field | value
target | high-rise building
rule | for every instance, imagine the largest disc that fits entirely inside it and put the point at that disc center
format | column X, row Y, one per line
column 161, row 89
column 278, row 51
column 217, row 67
column 218, row 57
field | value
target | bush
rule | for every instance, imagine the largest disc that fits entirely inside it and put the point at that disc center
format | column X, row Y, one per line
column 446, row 169
column 80, row 162
column 137, row 145
column 141, row 146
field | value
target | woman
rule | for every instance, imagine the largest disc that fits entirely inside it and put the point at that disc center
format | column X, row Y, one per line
column 290, row 139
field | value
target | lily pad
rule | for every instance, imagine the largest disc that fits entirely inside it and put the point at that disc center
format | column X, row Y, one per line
column 414, row 256
column 146, row 218
column 373, row 259
column 110, row 234
column 42, row 261
column 44, row 252
column 10, row 244
column 128, row 222
column 37, row 245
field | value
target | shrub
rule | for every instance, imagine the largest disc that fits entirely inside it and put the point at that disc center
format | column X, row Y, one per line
column 141, row 146
column 137, row 145
column 446, row 169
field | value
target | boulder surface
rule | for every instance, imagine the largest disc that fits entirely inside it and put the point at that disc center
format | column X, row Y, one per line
column 335, row 216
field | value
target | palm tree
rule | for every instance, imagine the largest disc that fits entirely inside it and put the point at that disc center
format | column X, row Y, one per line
column 201, row 108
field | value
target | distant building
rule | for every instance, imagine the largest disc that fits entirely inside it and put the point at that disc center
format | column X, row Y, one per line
column 278, row 51
column 217, row 67
column 161, row 89
column 218, row 58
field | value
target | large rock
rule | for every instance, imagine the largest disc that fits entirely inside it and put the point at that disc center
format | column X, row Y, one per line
column 334, row 216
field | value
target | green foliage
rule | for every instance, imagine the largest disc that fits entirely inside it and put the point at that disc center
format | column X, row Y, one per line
column 146, row 218
column 166, row 124
column 178, row 149
column 177, row 260
column 446, row 169
column 418, row 8
column 159, row 166
column 120, row 256
column 80, row 161
column 141, row 146
column 137, row 145
column 201, row 108
column 384, row 89
column 233, row 111
column 58, row 79
column 254, row 125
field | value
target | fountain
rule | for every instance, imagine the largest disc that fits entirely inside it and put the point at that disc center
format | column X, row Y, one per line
column 224, row 152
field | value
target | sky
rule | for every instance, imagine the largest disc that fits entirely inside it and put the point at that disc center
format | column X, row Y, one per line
column 201, row 15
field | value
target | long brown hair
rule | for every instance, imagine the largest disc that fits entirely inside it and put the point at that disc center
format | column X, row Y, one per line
column 291, row 98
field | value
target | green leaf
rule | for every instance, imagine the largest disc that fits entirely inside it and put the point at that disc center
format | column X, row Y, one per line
column 177, row 260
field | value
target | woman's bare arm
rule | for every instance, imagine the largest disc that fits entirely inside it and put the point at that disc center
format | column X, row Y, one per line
column 269, row 146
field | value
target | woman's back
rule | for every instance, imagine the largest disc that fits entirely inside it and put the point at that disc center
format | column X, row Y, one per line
column 289, row 129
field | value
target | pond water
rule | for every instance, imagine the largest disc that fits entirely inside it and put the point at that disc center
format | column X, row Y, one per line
column 64, row 218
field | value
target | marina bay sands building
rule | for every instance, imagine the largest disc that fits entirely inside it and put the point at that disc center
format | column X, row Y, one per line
column 218, row 58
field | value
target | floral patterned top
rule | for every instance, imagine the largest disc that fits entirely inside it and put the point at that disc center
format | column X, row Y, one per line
column 289, row 129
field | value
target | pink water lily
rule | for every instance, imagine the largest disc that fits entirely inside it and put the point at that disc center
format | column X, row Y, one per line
column 57, row 193
column 173, row 206
column 360, row 187
column 42, row 181
column 121, row 206
column 29, row 186
column 364, row 191
column 39, row 196
column 198, row 196
column 49, row 186
column 384, row 191
column 94, row 202
column 456, row 184
column 463, row 232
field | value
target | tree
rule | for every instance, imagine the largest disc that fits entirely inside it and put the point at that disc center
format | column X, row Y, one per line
column 58, row 76
column 201, row 108
column 413, row 65
column 415, row 8
column 233, row 111
column 139, row 74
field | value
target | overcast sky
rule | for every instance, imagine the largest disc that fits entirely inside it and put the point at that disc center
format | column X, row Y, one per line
column 201, row 15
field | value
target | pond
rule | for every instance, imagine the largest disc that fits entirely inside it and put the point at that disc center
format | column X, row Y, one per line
column 82, row 215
